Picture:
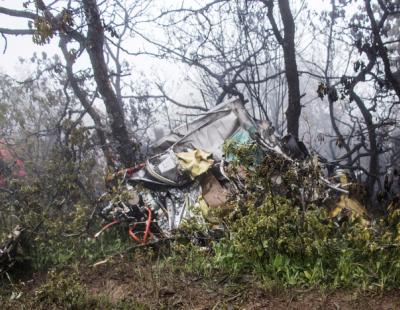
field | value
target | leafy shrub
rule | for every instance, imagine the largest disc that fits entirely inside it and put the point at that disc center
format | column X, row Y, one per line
column 54, row 206
column 281, row 241
column 283, row 234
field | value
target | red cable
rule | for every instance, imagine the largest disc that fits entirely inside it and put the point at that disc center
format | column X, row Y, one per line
column 148, row 223
column 131, row 170
column 110, row 224
column 146, row 232
column 130, row 230
column 133, row 235
column 106, row 227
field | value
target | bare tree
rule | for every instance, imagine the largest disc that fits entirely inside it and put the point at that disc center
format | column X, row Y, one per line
column 236, row 44
column 369, row 96
column 287, row 41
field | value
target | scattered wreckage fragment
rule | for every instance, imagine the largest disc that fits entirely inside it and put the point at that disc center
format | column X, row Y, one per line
column 186, row 178
column 10, row 249
column 346, row 205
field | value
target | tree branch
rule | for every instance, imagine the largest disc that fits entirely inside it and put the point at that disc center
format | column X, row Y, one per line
column 17, row 13
column 17, row 32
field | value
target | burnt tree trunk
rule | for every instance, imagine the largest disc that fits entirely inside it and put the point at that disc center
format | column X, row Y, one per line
column 293, row 111
column 95, row 48
column 373, row 168
column 292, row 75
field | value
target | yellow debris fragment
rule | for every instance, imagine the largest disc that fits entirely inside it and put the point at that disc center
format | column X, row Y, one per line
column 196, row 162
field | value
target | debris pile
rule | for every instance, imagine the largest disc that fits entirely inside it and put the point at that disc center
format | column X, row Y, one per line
column 192, row 173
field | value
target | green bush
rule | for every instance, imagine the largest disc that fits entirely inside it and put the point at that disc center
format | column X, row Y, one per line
column 279, row 242
column 55, row 208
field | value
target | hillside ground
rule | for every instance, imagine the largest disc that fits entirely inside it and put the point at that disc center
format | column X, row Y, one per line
column 137, row 281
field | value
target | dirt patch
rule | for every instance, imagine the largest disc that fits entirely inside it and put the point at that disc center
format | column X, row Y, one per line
column 147, row 283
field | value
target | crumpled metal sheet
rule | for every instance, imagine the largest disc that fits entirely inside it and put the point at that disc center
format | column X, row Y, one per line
column 142, row 176
column 178, row 205
column 208, row 132
column 162, row 169
column 187, row 146
column 165, row 168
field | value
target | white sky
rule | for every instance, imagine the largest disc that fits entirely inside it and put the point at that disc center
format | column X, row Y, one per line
column 22, row 46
